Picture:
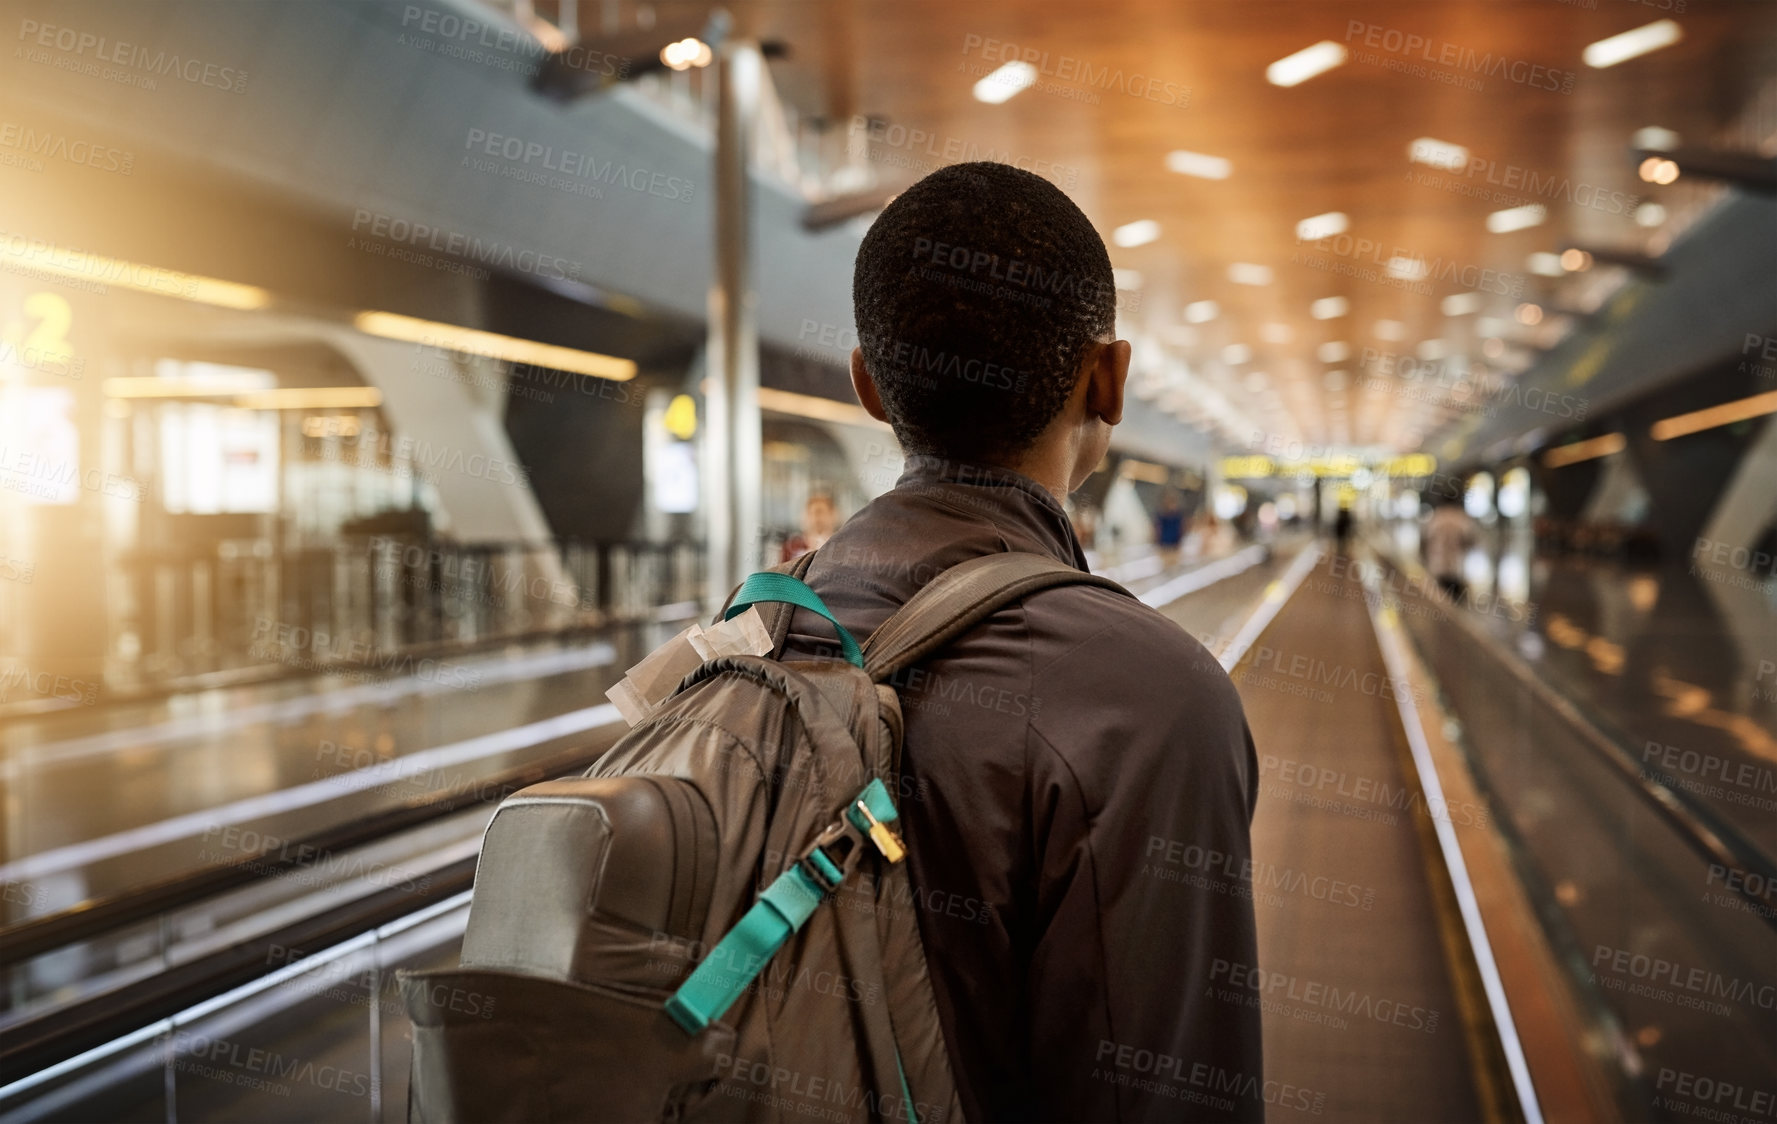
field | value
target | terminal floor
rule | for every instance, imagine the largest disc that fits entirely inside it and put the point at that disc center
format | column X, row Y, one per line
column 1359, row 1003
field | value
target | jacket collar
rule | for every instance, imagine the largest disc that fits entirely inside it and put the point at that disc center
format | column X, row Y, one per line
column 1009, row 499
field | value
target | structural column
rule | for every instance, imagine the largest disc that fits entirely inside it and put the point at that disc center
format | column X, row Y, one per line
column 734, row 454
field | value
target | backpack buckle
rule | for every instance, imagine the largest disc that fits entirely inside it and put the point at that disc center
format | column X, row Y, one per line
column 820, row 866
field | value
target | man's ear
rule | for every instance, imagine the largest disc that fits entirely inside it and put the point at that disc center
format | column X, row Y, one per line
column 1105, row 377
column 865, row 387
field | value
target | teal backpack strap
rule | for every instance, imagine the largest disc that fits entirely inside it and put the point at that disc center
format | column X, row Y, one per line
column 769, row 585
column 784, row 907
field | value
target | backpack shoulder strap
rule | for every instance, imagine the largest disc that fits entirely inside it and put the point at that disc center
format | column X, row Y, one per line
column 959, row 599
column 777, row 614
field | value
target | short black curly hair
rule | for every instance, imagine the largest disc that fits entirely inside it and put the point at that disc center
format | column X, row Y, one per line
column 977, row 293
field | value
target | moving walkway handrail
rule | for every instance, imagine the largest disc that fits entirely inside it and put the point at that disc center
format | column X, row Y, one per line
column 1706, row 833
column 56, row 1035
column 86, row 920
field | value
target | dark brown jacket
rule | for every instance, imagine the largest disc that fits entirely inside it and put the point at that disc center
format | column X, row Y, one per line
column 1080, row 782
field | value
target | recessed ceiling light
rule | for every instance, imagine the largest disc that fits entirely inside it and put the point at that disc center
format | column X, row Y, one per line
column 1293, row 70
column 1461, row 304
column 1329, row 308
column 1336, row 351
column 1138, row 233
column 1247, row 273
column 1127, row 278
column 1202, row 312
column 1517, row 218
column 1545, row 264
column 1658, row 169
column 1438, row 154
column 1575, row 260
column 1006, row 82
column 1655, row 138
column 1528, row 313
column 1650, row 215
column 1316, row 227
column 1276, row 333
column 1403, row 268
column 1236, row 353
column 1199, row 165
column 1632, row 44
column 1390, row 330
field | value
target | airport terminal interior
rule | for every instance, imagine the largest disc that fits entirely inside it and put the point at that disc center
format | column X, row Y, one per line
column 381, row 380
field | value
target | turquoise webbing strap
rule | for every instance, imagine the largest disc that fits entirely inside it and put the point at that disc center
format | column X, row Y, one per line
column 906, row 1093
column 736, row 961
column 784, row 907
column 768, row 586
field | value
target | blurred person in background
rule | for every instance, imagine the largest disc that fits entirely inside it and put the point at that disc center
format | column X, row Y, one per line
column 1169, row 525
column 1448, row 535
column 820, row 518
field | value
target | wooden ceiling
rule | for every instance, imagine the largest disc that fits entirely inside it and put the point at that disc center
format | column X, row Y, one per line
column 1502, row 78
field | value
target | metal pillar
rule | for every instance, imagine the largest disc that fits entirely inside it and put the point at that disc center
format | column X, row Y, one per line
column 732, row 411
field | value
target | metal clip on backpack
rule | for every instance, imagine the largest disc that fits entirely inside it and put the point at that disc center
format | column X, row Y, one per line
column 714, row 922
